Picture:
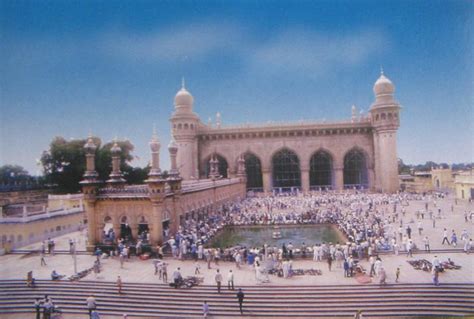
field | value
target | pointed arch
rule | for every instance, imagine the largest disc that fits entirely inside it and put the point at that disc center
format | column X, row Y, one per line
column 321, row 169
column 356, row 168
column 222, row 166
column 286, row 169
column 253, row 170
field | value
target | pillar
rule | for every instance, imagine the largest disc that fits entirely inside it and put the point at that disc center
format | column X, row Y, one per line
column 338, row 178
column 91, row 223
column 305, row 179
column 156, row 229
column 267, row 180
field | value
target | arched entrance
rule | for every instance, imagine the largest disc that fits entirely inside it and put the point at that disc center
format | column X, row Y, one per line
column 253, row 170
column 355, row 170
column 320, row 172
column 286, row 169
column 222, row 166
column 108, row 231
column 125, row 230
column 143, row 228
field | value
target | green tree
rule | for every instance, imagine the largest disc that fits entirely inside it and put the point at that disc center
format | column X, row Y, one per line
column 10, row 174
column 64, row 163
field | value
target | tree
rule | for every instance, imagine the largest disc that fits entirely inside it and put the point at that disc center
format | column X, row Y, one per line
column 64, row 163
column 13, row 174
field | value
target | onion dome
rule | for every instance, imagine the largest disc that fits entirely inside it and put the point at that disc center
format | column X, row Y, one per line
column 383, row 85
column 116, row 149
column 90, row 147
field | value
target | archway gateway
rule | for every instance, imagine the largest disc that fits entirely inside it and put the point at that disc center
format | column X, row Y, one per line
column 286, row 169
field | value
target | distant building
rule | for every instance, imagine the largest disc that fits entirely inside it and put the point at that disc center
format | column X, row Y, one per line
column 464, row 185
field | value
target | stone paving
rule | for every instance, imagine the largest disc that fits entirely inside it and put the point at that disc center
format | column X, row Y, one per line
column 15, row 266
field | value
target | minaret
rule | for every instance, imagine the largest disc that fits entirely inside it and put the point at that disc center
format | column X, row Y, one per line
column 174, row 178
column 116, row 178
column 354, row 114
column 184, row 125
column 385, row 119
column 156, row 191
column 90, row 185
column 155, row 171
column 218, row 120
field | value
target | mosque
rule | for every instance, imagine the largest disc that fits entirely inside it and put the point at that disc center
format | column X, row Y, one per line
column 360, row 152
column 212, row 165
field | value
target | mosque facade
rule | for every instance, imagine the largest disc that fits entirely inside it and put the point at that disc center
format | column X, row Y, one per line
column 360, row 152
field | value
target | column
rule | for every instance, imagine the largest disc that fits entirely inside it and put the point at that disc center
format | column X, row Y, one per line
column 156, row 229
column 338, row 178
column 305, row 179
column 267, row 180
column 371, row 178
column 91, row 225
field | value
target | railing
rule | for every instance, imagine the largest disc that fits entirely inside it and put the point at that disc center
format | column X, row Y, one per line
column 41, row 215
column 321, row 188
column 66, row 197
column 205, row 184
column 272, row 124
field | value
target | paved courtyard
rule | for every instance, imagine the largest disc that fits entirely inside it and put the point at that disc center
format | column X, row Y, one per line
column 135, row 270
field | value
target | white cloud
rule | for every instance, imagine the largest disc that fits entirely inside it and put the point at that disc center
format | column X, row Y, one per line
column 317, row 52
column 173, row 44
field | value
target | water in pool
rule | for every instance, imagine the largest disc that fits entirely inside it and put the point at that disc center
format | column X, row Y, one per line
column 259, row 235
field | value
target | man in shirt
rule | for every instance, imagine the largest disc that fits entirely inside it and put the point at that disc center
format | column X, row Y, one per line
column 240, row 297
column 91, row 304
column 230, row 280
column 177, row 277
column 218, row 279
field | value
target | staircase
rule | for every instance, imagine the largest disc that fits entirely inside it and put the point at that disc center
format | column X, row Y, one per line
column 150, row 300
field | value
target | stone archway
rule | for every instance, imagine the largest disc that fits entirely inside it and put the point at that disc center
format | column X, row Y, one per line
column 222, row 166
column 355, row 169
column 321, row 170
column 253, row 170
column 286, row 169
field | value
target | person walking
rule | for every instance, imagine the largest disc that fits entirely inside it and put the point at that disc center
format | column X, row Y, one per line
column 445, row 237
column 119, row 285
column 240, row 298
column 230, row 280
column 91, row 304
column 435, row 274
column 397, row 274
column 164, row 272
column 37, row 305
column 427, row 244
column 329, row 262
column 218, row 279
column 43, row 261
column 205, row 309
column 358, row 315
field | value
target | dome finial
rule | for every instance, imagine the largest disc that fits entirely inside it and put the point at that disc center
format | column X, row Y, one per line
column 381, row 70
column 183, row 86
column 154, row 130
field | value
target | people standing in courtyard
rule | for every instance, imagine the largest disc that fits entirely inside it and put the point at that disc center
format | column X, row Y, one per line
column 240, row 298
column 382, row 276
column 397, row 274
column 218, row 279
column 435, row 273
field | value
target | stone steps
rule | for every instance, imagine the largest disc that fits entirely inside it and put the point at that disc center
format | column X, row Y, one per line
column 261, row 301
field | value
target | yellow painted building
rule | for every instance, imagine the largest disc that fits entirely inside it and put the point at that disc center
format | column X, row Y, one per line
column 464, row 185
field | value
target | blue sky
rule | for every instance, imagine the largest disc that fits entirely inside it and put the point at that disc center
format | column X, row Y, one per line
column 113, row 68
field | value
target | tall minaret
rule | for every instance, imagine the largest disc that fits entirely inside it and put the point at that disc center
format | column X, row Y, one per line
column 385, row 118
column 184, row 126
column 155, row 171
column 90, row 185
column 116, row 178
